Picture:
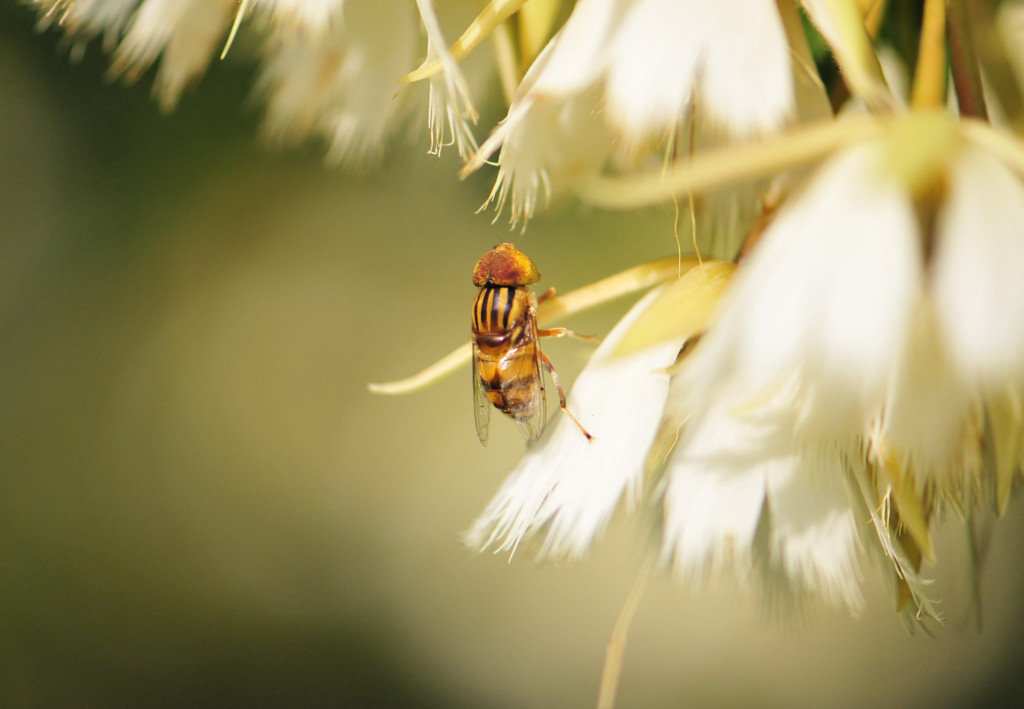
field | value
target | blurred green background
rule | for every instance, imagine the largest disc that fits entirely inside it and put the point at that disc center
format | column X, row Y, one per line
column 201, row 504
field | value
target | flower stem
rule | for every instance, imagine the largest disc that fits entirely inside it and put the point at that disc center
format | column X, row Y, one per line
column 1000, row 74
column 930, row 75
column 615, row 653
column 243, row 7
column 733, row 164
column 854, row 51
column 496, row 12
column 963, row 59
column 504, row 54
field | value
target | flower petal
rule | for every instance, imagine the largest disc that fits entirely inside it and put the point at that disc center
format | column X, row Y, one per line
column 683, row 308
column 743, row 495
column 83, row 19
column 736, row 49
column 715, row 490
column 979, row 270
column 654, row 66
column 828, row 292
column 747, row 78
column 577, row 55
column 450, row 108
column 925, row 422
column 554, row 133
column 185, row 32
column 314, row 16
column 813, row 536
column 547, row 145
column 341, row 84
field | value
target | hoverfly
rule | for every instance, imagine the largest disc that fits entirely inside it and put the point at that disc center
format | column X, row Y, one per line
column 506, row 346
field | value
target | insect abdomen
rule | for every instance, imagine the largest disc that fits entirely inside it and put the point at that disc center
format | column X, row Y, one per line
column 512, row 395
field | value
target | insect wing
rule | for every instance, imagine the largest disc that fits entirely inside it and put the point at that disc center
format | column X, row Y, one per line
column 532, row 425
column 481, row 404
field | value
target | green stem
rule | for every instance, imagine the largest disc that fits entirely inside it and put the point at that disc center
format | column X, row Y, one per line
column 994, row 59
column 970, row 95
column 930, row 75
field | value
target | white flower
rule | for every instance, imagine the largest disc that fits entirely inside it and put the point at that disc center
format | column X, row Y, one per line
column 872, row 321
column 330, row 67
column 970, row 328
column 313, row 16
column 739, row 474
column 84, row 19
column 827, row 292
column 867, row 362
column 341, row 83
column 553, row 130
column 630, row 70
column 977, row 284
column 450, row 107
column 861, row 360
column 184, row 33
column 732, row 54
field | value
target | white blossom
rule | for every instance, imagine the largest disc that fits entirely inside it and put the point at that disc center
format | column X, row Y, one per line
column 330, row 68
column 84, row 19
column 864, row 369
column 630, row 71
column 861, row 359
column 185, row 34
column 313, row 16
column 341, row 83
column 450, row 107
column 855, row 330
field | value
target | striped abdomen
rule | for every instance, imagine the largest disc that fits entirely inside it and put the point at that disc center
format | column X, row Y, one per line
column 504, row 333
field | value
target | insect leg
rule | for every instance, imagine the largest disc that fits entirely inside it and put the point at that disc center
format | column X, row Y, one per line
column 563, row 332
column 561, row 394
column 560, row 331
column 549, row 293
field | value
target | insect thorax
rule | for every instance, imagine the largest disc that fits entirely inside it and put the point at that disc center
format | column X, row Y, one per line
column 498, row 310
